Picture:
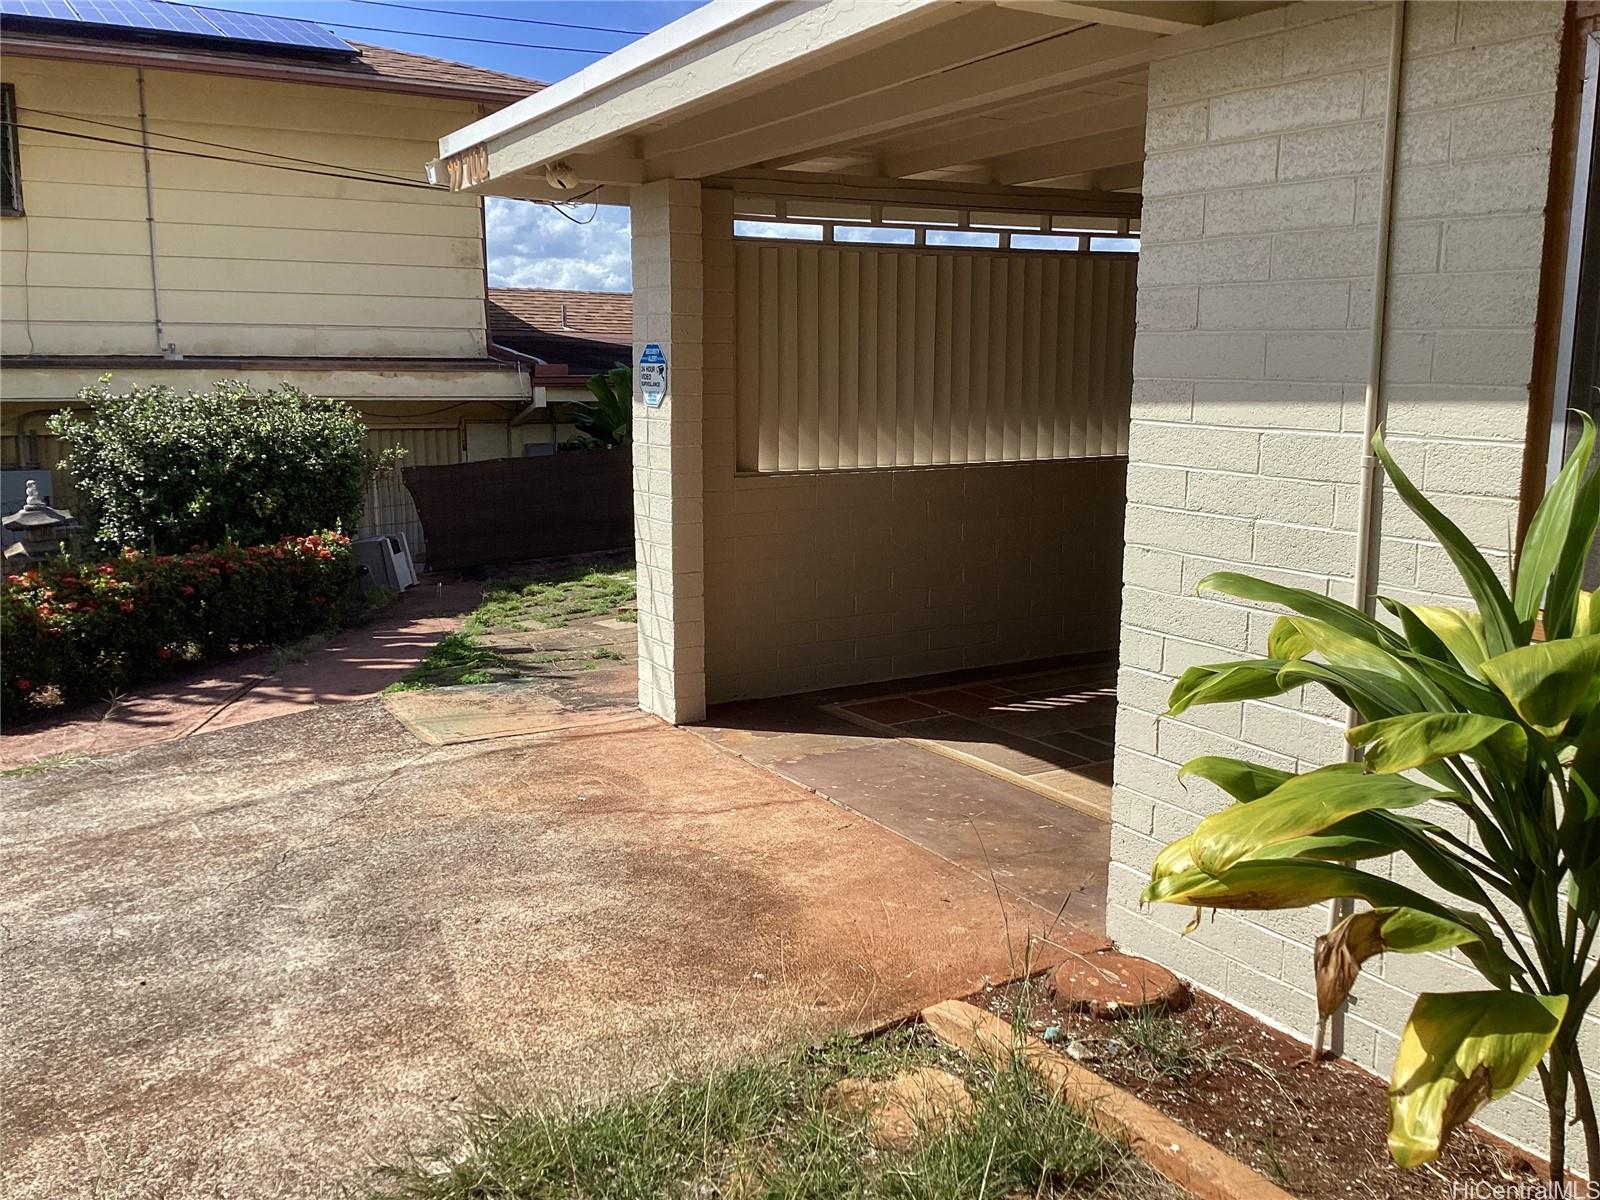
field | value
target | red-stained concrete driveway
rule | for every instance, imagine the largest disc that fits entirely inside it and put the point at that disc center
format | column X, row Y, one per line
column 243, row 964
column 356, row 663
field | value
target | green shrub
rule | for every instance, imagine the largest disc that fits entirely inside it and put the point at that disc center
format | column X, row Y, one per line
column 163, row 471
column 86, row 629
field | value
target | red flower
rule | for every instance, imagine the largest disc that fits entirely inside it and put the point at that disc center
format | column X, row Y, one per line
column 44, row 610
column 72, row 606
column 24, row 685
column 186, row 590
column 107, row 569
column 127, row 606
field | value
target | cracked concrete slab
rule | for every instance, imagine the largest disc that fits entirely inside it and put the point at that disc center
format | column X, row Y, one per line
column 247, row 964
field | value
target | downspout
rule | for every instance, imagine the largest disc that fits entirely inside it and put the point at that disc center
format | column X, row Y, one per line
column 163, row 346
column 1368, row 535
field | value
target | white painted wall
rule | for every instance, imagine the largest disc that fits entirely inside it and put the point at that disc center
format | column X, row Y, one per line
column 1255, row 302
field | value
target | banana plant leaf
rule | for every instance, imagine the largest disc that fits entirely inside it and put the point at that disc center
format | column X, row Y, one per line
column 1305, row 805
column 1459, row 1051
column 1548, row 682
column 1501, row 627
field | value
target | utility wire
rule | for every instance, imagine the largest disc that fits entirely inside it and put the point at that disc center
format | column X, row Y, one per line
column 457, row 12
column 90, row 137
column 417, row 33
column 313, row 162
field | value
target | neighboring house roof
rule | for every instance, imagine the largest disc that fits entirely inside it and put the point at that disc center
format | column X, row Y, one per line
column 377, row 67
column 586, row 331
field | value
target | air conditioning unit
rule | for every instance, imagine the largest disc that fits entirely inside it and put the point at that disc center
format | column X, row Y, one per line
column 384, row 562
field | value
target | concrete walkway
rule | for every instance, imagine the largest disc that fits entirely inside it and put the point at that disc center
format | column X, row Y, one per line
column 246, row 964
column 356, row 663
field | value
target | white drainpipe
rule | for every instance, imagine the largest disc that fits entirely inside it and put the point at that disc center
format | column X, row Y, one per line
column 1368, row 536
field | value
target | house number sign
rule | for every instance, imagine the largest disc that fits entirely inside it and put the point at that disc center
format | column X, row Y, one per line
column 653, row 376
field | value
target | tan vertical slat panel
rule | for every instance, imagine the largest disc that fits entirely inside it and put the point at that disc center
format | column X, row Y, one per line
column 1016, row 358
column 748, row 326
column 943, row 356
column 828, row 339
column 1129, row 271
column 1082, row 299
column 978, row 360
column 389, row 508
column 905, row 399
column 878, row 358
column 995, row 409
column 960, row 371
column 788, row 323
column 1049, row 352
column 850, row 339
column 867, row 370
column 888, row 356
column 1032, row 344
column 1097, row 356
column 807, row 395
column 771, row 318
column 928, row 338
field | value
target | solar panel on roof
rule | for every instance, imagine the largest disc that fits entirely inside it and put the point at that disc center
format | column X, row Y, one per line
column 187, row 19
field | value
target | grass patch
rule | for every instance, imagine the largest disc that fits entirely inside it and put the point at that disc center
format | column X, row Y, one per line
column 522, row 605
column 763, row 1131
column 40, row 765
column 551, row 601
column 1168, row 1050
column 455, row 659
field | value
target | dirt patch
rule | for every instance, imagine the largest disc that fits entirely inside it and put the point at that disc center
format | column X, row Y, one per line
column 1317, row 1132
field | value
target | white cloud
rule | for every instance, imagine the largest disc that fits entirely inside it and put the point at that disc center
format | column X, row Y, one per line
column 534, row 245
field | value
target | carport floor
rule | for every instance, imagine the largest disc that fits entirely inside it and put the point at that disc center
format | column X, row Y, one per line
column 1007, row 774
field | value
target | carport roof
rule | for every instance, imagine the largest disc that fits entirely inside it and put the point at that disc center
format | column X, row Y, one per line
column 1045, row 95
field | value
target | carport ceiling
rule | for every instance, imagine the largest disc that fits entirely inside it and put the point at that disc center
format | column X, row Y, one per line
column 998, row 93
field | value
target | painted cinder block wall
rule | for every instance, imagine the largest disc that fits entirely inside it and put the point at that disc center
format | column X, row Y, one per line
column 1255, row 302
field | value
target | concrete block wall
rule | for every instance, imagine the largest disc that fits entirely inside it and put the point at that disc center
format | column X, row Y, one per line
column 668, row 479
column 1255, row 304
column 824, row 579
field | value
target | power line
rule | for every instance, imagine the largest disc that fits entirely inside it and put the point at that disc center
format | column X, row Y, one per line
column 313, row 162
column 246, row 162
column 416, row 33
column 456, row 12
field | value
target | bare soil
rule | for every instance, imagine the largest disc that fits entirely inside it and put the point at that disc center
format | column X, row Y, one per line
column 1316, row 1131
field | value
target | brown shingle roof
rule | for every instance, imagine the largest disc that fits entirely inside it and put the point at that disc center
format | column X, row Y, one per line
column 587, row 331
column 420, row 68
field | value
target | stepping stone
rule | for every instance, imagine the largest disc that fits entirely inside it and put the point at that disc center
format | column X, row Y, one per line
column 1108, row 984
column 903, row 1108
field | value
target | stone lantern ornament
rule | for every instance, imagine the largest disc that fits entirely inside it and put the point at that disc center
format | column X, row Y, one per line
column 35, row 531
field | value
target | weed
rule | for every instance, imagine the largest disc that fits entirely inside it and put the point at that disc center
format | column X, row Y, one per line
column 455, row 659
column 605, row 652
column 1168, row 1051
column 40, row 765
column 764, row 1130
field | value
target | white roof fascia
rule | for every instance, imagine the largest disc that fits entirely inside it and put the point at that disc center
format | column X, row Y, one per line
column 733, row 45
column 708, row 21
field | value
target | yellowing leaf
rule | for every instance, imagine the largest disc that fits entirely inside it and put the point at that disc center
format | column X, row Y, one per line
column 1459, row 1051
column 1546, row 682
column 1341, row 951
column 1414, row 740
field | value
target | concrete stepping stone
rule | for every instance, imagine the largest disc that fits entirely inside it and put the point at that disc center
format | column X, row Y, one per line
column 905, row 1107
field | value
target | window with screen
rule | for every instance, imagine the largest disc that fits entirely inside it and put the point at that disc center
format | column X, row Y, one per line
column 10, row 160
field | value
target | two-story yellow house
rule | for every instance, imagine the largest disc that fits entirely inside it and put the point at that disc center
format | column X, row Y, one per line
column 206, row 195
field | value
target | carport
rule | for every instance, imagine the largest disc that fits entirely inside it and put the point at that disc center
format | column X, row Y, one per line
column 888, row 252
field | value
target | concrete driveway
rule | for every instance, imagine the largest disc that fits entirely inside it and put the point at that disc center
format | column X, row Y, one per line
column 250, row 962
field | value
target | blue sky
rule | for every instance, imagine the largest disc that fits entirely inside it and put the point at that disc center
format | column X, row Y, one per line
column 530, row 245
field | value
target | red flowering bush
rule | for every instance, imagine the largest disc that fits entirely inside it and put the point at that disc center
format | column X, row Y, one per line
column 85, row 629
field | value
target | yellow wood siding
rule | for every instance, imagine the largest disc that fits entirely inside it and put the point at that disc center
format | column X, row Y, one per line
column 252, row 260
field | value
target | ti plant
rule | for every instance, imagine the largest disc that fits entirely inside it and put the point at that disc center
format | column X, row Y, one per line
column 1479, row 761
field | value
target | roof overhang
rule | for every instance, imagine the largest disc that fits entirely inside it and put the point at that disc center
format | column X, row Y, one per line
column 990, row 94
